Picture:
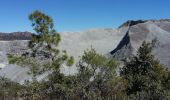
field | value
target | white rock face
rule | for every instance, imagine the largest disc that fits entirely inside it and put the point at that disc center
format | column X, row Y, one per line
column 15, row 73
column 148, row 31
column 104, row 41
column 2, row 66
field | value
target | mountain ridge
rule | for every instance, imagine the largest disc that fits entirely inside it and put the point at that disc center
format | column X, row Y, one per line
column 15, row 36
column 135, row 22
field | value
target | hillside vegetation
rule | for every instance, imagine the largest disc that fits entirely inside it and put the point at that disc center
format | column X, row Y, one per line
column 142, row 77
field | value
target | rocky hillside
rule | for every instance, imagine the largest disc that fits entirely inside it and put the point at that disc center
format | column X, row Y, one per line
column 145, row 31
column 15, row 36
column 120, row 43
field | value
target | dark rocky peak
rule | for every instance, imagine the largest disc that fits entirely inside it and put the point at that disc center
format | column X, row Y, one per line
column 132, row 22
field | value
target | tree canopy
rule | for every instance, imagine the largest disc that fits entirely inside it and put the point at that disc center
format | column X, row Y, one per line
column 145, row 75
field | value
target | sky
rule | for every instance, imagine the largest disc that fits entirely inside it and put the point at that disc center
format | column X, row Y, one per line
column 78, row 15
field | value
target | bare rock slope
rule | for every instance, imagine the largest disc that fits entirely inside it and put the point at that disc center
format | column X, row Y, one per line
column 119, row 43
column 146, row 31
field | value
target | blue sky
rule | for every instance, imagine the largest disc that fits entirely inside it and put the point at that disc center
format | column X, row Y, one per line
column 77, row 15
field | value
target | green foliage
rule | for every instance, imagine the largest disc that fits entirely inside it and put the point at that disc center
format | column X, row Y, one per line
column 96, row 78
column 144, row 75
column 44, row 58
column 8, row 89
column 44, row 28
column 70, row 61
column 42, row 23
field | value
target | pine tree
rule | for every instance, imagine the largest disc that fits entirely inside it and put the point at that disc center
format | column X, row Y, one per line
column 44, row 58
column 144, row 75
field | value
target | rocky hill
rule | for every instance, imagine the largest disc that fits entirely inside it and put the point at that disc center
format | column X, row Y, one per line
column 146, row 31
column 119, row 43
column 15, row 36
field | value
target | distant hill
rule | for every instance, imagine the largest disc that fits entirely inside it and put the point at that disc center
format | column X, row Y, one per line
column 15, row 36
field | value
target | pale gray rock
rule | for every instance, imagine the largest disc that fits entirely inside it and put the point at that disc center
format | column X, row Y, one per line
column 147, row 31
column 120, row 43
